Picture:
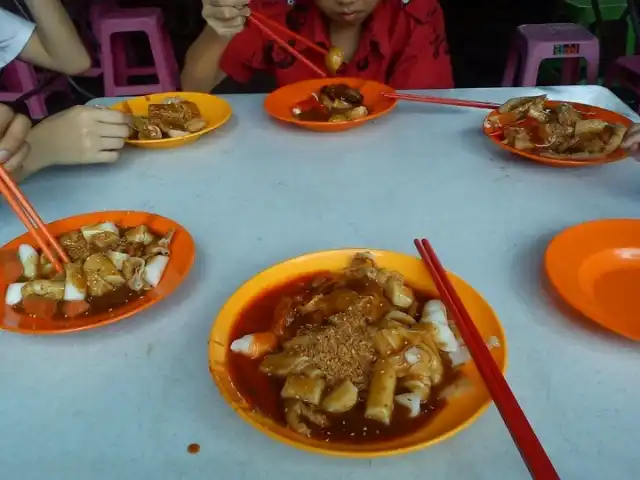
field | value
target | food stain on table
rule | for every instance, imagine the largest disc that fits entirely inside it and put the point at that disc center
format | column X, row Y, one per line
column 193, row 448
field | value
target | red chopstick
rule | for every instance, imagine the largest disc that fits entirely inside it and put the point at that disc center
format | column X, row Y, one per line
column 442, row 101
column 28, row 215
column 531, row 450
column 267, row 21
column 258, row 23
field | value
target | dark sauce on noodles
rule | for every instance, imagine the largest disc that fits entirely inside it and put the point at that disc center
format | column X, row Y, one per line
column 111, row 300
column 262, row 392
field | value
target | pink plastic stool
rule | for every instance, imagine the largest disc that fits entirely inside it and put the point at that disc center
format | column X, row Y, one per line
column 18, row 78
column 625, row 71
column 535, row 43
column 109, row 24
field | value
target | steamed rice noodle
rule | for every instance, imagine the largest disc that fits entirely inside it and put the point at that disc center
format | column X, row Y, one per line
column 174, row 117
column 109, row 267
column 561, row 131
column 354, row 355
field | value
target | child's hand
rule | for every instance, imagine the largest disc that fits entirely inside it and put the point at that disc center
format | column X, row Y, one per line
column 14, row 129
column 78, row 135
column 225, row 17
column 632, row 140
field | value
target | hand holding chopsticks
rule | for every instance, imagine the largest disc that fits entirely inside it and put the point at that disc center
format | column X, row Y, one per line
column 14, row 129
column 13, row 150
column 533, row 454
column 32, row 221
column 227, row 18
column 334, row 57
column 260, row 21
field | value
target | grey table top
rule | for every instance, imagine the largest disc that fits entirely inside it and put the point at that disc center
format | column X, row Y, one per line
column 125, row 401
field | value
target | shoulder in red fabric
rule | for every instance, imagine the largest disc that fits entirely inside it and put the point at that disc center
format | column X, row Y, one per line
column 423, row 11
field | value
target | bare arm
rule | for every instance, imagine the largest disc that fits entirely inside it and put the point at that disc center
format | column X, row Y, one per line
column 55, row 44
column 201, row 71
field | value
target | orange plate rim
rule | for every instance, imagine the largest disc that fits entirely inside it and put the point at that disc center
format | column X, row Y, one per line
column 300, row 443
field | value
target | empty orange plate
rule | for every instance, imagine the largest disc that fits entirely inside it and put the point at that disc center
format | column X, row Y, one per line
column 279, row 104
column 595, row 268
column 460, row 412
column 214, row 110
column 597, row 112
column 182, row 254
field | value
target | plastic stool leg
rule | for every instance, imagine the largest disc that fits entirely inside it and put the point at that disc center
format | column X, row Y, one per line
column 106, row 60
column 570, row 71
column 119, row 59
column 509, row 75
column 592, row 71
column 530, row 71
column 37, row 107
column 162, row 62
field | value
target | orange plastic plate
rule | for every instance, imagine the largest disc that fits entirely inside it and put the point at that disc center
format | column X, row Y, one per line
column 182, row 254
column 214, row 110
column 595, row 268
column 460, row 412
column 279, row 103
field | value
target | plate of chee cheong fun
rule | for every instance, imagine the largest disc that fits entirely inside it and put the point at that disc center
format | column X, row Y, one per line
column 121, row 262
column 556, row 133
column 351, row 353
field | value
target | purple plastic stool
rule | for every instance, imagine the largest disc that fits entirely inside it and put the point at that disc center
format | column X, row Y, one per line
column 110, row 23
column 535, row 43
column 18, row 78
column 625, row 71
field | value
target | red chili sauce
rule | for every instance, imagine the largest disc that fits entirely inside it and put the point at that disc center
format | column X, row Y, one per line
column 262, row 392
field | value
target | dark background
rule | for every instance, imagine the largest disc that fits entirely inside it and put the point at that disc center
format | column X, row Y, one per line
column 479, row 32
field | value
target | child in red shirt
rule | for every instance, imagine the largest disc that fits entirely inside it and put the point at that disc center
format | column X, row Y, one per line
column 401, row 43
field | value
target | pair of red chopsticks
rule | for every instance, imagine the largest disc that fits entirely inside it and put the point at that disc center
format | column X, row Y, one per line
column 28, row 215
column 265, row 24
column 261, row 22
column 441, row 101
column 531, row 450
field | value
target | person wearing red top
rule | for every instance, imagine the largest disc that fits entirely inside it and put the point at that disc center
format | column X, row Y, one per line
column 401, row 43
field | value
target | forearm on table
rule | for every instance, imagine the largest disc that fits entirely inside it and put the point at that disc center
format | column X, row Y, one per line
column 201, row 72
column 55, row 44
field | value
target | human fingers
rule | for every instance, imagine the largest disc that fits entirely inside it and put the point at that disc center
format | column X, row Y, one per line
column 16, row 162
column 15, row 134
column 6, row 115
column 105, row 115
column 224, row 3
column 111, row 130
column 225, row 13
column 107, row 156
column 632, row 137
column 111, row 143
